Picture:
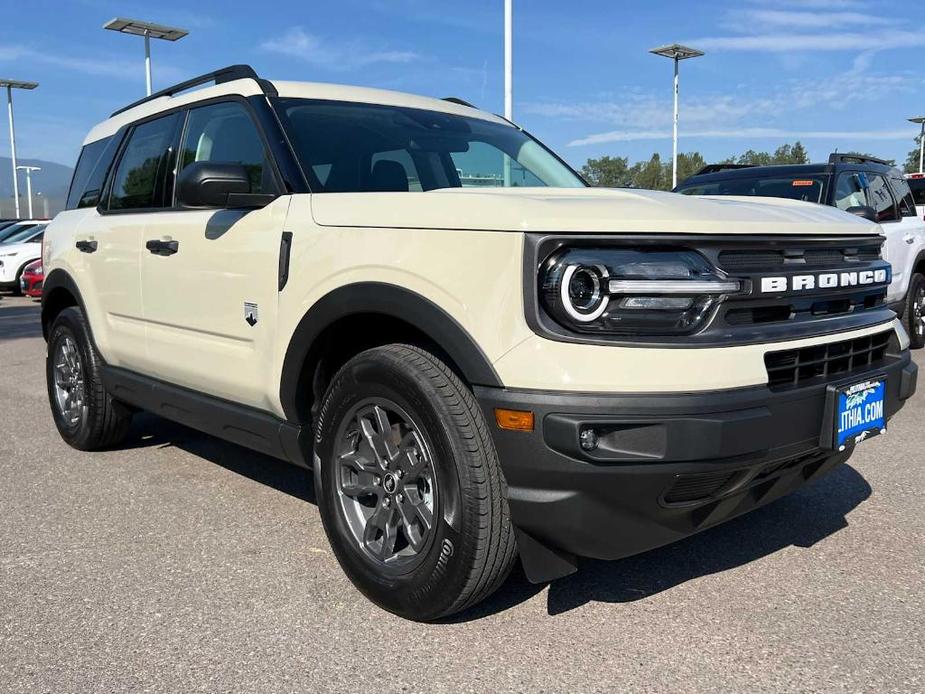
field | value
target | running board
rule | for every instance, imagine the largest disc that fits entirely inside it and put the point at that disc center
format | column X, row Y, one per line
column 245, row 426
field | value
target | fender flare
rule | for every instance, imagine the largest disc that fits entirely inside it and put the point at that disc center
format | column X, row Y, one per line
column 59, row 279
column 389, row 300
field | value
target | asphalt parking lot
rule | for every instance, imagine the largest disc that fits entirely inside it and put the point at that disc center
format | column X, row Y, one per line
column 186, row 564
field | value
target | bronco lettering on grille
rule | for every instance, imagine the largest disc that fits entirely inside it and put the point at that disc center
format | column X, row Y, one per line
column 825, row 280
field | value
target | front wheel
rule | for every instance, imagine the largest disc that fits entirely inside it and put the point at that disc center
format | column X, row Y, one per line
column 412, row 497
column 915, row 311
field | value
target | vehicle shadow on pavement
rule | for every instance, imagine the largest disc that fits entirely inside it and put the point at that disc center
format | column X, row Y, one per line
column 19, row 320
column 151, row 431
column 800, row 520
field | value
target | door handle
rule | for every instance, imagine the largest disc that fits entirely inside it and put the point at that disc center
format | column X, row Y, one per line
column 162, row 247
column 86, row 246
column 909, row 238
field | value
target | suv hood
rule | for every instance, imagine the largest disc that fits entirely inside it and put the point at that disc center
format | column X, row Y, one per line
column 17, row 249
column 582, row 210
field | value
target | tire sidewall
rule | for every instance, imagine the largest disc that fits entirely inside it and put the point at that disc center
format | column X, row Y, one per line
column 916, row 340
column 68, row 324
column 430, row 587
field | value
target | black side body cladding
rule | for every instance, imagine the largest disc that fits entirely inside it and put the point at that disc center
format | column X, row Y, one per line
column 388, row 300
column 245, row 426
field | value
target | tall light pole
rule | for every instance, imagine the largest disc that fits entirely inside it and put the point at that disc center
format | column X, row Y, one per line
column 677, row 53
column 149, row 30
column 921, row 121
column 29, row 170
column 508, row 77
column 10, row 86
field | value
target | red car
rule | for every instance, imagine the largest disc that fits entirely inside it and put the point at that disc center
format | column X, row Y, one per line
column 32, row 278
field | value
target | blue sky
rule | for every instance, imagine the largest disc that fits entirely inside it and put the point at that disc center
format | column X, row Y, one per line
column 833, row 73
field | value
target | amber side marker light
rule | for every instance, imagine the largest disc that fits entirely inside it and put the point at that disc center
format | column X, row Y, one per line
column 514, row 420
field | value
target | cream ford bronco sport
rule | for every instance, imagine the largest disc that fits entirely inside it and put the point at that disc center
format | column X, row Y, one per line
column 478, row 355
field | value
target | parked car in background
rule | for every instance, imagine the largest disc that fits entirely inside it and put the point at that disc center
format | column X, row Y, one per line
column 15, row 228
column 4, row 223
column 16, row 253
column 30, row 283
column 868, row 187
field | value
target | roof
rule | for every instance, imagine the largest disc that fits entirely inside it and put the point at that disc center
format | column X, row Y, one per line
column 252, row 86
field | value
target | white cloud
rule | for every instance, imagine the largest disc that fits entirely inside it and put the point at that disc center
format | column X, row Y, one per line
column 808, row 20
column 787, row 42
column 100, row 67
column 312, row 49
column 746, row 133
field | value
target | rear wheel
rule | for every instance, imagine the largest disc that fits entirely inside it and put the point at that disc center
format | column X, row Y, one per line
column 85, row 414
column 412, row 496
column 915, row 311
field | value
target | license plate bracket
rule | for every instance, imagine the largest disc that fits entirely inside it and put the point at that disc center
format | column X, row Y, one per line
column 854, row 412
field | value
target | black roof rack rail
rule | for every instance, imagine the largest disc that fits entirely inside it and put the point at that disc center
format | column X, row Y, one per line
column 457, row 100
column 837, row 158
column 716, row 168
column 225, row 74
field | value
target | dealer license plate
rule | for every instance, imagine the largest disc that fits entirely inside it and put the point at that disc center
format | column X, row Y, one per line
column 860, row 412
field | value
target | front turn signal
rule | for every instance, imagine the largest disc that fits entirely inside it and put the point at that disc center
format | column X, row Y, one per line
column 514, row 420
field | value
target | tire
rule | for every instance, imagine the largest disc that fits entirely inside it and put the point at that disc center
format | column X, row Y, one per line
column 434, row 431
column 17, row 287
column 95, row 420
column 915, row 311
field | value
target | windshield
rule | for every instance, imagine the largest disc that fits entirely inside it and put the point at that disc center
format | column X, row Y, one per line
column 807, row 188
column 14, row 230
column 24, row 234
column 350, row 147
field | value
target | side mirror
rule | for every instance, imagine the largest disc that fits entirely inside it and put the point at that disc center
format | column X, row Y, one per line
column 864, row 211
column 218, row 184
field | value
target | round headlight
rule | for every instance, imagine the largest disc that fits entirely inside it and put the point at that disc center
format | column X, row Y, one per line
column 584, row 292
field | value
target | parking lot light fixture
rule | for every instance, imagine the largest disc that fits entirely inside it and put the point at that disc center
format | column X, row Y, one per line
column 149, row 30
column 677, row 53
column 10, row 86
column 921, row 121
column 28, row 170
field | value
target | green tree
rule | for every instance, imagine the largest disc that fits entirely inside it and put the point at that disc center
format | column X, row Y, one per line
column 790, row 154
column 651, row 175
column 912, row 161
column 688, row 164
column 608, row 172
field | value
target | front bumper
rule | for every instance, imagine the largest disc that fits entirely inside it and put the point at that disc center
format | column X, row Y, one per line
column 667, row 466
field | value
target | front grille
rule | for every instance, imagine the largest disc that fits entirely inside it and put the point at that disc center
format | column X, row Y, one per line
column 771, row 259
column 794, row 367
column 698, row 486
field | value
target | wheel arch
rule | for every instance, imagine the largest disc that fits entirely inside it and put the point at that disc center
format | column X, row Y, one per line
column 346, row 307
column 59, row 291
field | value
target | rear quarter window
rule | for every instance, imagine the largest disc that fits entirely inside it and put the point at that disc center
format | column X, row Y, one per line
column 90, row 173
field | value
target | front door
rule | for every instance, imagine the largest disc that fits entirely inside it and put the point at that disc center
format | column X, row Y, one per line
column 209, row 278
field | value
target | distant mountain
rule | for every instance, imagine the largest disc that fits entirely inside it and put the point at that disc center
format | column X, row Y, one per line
column 52, row 182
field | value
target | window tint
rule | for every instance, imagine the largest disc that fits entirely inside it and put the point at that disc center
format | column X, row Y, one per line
column 903, row 195
column 917, row 185
column 350, row 147
column 225, row 133
column 29, row 232
column 90, row 173
column 881, row 199
column 140, row 179
column 806, row 188
column 850, row 191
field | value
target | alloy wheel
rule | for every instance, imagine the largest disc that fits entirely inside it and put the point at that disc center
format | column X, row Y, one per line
column 386, row 483
column 70, row 392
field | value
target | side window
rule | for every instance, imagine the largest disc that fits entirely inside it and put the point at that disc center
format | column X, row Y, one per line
column 90, row 173
column 881, row 199
column 224, row 132
column 394, row 172
column 850, row 191
column 140, row 179
column 903, row 195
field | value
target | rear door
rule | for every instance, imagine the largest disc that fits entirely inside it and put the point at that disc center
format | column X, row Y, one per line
column 911, row 225
column 109, row 237
column 210, row 293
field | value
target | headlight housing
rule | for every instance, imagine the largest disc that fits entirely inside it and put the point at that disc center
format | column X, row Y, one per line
column 631, row 291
